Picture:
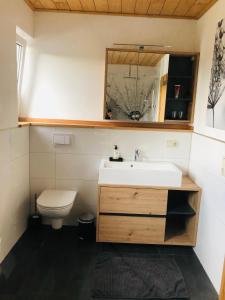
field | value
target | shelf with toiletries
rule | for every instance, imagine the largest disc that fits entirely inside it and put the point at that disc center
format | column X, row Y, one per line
column 180, row 88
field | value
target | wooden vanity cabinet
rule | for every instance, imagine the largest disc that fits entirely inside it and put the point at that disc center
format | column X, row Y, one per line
column 131, row 229
column 149, row 215
column 133, row 201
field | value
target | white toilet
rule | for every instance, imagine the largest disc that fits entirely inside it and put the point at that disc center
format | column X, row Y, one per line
column 56, row 205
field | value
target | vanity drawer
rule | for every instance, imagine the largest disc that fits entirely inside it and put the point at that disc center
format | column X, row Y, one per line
column 133, row 201
column 128, row 229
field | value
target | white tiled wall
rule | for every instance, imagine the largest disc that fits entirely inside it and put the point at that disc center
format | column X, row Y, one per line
column 14, row 186
column 206, row 169
column 75, row 166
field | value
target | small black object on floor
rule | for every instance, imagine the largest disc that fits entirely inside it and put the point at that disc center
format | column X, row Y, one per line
column 127, row 277
column 86, row 227
column 56, row 265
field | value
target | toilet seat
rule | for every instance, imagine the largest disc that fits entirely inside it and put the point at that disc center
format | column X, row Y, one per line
column 54, row 208
column 56, row 199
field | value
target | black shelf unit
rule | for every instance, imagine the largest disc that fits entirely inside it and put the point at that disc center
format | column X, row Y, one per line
column 181, row 72
column 184, row 209
column 182, row 99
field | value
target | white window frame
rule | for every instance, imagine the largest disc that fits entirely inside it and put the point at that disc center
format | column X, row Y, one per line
column 19, row 58
column 22, row 42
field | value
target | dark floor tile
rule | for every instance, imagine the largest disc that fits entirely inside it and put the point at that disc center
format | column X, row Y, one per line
column 128, row 248
column 44, row 297
column 197, row 281
column 8, row 297
column 14, row 273
column 47, row 264
column 56, row 272
column 175, row 250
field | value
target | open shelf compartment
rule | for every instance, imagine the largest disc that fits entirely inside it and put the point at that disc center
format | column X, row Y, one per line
column 182, row 73
column 178, row 204
column 182, row 217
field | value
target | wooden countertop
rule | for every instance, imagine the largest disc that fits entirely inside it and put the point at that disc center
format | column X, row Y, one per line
column 187, row 185
column 167, row 126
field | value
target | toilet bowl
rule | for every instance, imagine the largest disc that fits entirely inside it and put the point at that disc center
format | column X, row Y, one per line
column 56, row 205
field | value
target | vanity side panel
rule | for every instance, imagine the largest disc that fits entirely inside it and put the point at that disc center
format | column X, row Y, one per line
column 97, row 216
column 192, row 224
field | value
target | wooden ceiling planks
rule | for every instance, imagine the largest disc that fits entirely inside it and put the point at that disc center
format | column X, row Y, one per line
column 188, row 9
column 196, row 9
column 183, row 7
column 115, row 6
column 142, row 6
column 133, row 58
column 75, row 5
column 49, row 4
column 88, row 5
column 101, row 5
column 169, row 7
column 156, row 7
column 60, row 5
column 128, row 6
column 36, row 4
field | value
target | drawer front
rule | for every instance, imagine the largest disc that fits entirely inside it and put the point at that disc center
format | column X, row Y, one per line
column 133, row 201
column 125, row 229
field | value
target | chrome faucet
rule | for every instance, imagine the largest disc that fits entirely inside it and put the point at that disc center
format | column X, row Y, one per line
column 137, row 154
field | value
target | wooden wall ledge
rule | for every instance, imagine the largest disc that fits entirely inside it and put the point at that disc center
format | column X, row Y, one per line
column 105, row 124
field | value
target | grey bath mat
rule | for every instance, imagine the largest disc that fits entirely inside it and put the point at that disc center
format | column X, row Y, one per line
column 123, row 277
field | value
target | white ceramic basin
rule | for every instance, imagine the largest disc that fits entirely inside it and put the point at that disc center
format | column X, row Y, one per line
column 139, row 173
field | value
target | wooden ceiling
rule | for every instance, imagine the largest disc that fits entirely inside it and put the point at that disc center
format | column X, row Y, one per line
column 189, row 9
column 133, row 58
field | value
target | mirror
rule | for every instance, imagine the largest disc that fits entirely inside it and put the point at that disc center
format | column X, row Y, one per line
column 149, row 86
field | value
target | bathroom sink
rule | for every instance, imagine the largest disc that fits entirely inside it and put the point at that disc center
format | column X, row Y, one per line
column 139, row 173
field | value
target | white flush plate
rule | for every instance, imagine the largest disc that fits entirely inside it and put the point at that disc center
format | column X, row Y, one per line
column 61, row 139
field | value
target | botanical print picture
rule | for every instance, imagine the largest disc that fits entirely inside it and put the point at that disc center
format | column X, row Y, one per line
column 216, row 98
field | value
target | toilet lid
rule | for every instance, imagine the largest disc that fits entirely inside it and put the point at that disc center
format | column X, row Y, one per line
column 56, row 198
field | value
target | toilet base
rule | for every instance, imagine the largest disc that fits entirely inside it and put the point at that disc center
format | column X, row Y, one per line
column 57, row 223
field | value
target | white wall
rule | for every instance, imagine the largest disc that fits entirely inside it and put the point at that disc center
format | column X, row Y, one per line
column 205, row 168
column 76, row 166
column 12, row 13
column 14, row 186
column 206, row 157
column 65, row 77
column 14, row 142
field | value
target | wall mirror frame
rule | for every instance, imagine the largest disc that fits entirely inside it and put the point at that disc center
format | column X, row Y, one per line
column 165, row 98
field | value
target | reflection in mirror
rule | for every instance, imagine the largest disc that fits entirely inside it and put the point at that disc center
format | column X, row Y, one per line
column 136, row 85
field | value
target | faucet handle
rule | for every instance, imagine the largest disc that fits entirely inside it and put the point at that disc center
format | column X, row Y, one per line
column 137, row 153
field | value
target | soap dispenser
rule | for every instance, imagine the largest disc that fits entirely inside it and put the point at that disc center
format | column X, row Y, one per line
column 116, row 153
